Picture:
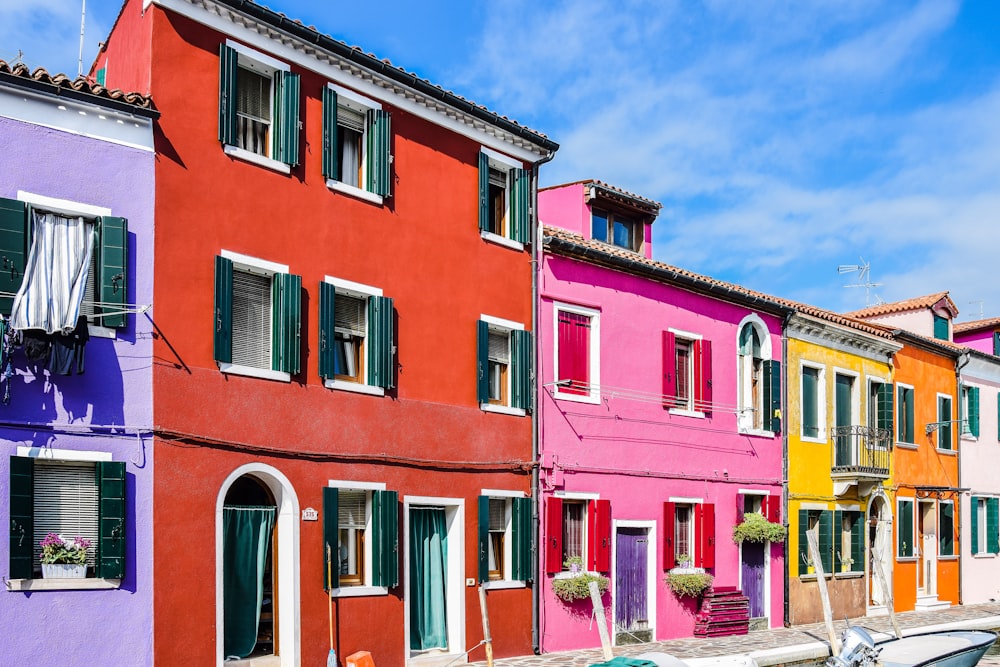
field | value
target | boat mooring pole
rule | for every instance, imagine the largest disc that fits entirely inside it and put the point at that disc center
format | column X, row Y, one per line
column 886, row 593
column 602, row 627
column 811, row 536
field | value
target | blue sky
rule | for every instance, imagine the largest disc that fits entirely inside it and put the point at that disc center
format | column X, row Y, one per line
column 783, row 138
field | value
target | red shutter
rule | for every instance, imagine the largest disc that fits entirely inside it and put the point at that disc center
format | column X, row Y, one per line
column 574, row 352
column 599, row 536
column 740, row 504
column 669, row 368
column 553, row 535
column 669, row 556
column 704, row 538
column 772, row 508
column 703, row 376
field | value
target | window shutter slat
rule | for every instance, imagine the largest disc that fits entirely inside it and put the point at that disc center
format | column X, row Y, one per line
column 553, row 535
column 993, row 525
column 703, row 370
column 287, row 98
column 484, row 538
column 327, row 308
column 669, row 366
column 223, row 320
column 113, row 269
column 704, row 540
column 22, row 517
column 484, row 193
column 228, row 65
column 330, row 133
column 287, row 299
column 523, row 352
column 385, row 547
column 482, row 362
column 772, row 396
column 669, row 519
column 826, row 539
column 520, row 207
column 331, row 537
column 521, row 534
column 14, row 244
column 380, row 342
column 379, row 142
column 599, row 535
column 111, row 508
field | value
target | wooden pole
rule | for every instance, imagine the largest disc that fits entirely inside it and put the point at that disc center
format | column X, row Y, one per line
column 487, row 638
column 811, row 536
column 602, row 626
column 886, row 593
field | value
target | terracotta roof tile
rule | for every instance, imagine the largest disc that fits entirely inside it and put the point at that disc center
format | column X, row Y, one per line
column 976, row 325
column 79, row 84
column 903, row 306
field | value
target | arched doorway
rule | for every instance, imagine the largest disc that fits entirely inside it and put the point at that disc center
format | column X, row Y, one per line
column 879, row 552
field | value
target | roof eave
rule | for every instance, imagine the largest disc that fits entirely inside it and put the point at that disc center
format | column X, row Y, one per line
column 56, row 90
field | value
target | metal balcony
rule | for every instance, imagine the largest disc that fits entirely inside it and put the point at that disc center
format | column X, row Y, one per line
column 861, row 452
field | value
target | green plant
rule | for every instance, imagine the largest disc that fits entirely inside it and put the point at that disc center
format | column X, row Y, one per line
column 569, row 589
column 692, row 584
column 756, row 528
column 573, row 563
column 56, row 550
column 683, row 560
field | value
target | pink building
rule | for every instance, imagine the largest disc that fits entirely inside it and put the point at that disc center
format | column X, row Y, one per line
column 660, row 424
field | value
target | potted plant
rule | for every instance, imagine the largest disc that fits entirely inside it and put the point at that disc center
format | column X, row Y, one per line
column 845, row 563
column 575, row 584
column 64, row 559
column 573, row 564
column 692, row 584
column 810, row 565
column 756, row 528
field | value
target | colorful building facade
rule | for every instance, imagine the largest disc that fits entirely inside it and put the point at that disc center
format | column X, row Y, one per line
column 660, row 404
column 76, row 234
column 343, row 367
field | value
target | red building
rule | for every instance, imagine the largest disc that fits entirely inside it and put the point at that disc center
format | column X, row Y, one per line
column 343, row 348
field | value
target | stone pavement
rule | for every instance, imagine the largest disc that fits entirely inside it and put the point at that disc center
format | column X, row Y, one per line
column 777, row 646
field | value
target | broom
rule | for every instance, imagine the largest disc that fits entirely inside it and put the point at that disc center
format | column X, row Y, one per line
column 331, row 658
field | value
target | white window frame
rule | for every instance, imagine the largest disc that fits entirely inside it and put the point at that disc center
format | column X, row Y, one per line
column 264, row 65
column 366, row 589
column 594, row 370
column 895, row 415
column 913, row 530
column 351, row 100
column 503, row 163
column 689, row 337
column 953, row 447
column 745, row 416
column 966, row 431
column 871, row 414
column 956, row 540
column 248, row 264
column 584, row 499
column 508, row 540
column 982, row 513
column 360, row 291
column 504, row 327
column 822, row 437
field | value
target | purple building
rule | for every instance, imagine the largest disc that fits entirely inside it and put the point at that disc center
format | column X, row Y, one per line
column 76, row 235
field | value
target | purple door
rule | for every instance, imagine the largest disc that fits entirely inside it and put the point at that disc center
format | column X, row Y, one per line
column 631, row 605
column 752, row 576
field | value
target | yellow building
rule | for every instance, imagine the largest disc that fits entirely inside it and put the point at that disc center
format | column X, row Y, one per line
column 839, row 406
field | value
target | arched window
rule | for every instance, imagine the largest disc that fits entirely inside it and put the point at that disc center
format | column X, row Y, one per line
column 750, row 373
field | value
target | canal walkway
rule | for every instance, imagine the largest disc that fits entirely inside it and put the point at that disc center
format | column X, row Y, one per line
column 776, row 646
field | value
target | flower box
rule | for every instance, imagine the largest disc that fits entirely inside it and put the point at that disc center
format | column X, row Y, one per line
column 64, row 571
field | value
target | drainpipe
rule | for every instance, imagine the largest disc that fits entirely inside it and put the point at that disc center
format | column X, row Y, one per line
column 784, row 462
column 963, row 361
column 536, row 267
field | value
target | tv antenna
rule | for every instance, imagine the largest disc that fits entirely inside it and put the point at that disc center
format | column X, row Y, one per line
column 83, row 23
column 864, row 271
column 980, row 302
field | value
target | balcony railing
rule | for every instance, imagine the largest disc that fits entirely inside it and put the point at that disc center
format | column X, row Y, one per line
column 861, row 451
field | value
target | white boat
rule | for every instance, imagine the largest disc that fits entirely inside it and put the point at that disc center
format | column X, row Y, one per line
column 945, row 648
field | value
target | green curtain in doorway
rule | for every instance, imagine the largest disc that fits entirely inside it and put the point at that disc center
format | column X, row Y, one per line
column 246, row 540
column 428, row 576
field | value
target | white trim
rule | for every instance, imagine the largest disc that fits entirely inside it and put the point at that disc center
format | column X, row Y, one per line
column 820, row 402
column 847, row 508
column 503, row 584
column 686, row 335
column 505, row 160
column 251, row 371
column 686, row 501
column 753, row 492
column 594, row 371
column 502, row 493
column 356, row 387
column 88, row 584
column 63, row 206
column 255, row 158
column 351, row 484
column 253, row 54
column 502, row 323
column 502, row 409
column 681, row 412
column 351, row 96
column 652, row 580
column 63, row 454
column 248, row 263
column 501, row 240
column 353, row 191
column 352, row 288
column 287, row 557
column 576, row 495
column 814, row 506
column 358, row 591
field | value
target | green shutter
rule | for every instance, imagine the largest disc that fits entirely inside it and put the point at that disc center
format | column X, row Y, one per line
column 329, row 133
column 522, row 351
column 380, row 342
column 222, row 322
column 112, row 532
column 941, row 328
column 101, row 75
column 826, row 539
column 22, row 517
column 945, row 440
column 482, row 362
column 996, row 343
column 331, row 538
column 772, row 396
column 911, row 397
column 974, row 523
column 112, row 270
column 858, row 542
column 946, row 530
column 13, row 248
column 810, row 403
column 484, row 538
column 803, row 540
column 228, row 65
column 837, row 540
column 974, row 411
column 379, row 142
column 385, row 545
column 520, row 205
column 327, row 296
column 993, row 525
column 286, row 292
column 286, row 86
column 484, row 192
column 904, row 529
column 521, row 533
column 885, row 407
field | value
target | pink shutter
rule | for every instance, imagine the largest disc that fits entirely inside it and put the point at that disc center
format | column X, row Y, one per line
column 669, row 519
column 669, row 368
column 703, row 376
column 704, row 538
column 553, row 535
column 599, row 535
column 773, row 508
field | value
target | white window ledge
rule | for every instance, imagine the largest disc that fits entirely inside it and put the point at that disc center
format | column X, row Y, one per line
column 687, row 413
column 353, row 191
column 969, row 437
column 984, row 555
column 950, row 557
column 907, row 445
column 260, row 160
column 358, row 591
column 756, row 432
column 502, row 585
column 355, row 387
column 908, row 559
column 816, row 441
column 502, row 409
column 949, row 452
column 97, row 331
column 849, row 575
column 576, row 398
column 88, row 584
column 501, row 240
column 566, row 574
column 250, row 371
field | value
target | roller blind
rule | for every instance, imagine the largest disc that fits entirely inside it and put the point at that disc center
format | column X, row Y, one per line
column 66, row 503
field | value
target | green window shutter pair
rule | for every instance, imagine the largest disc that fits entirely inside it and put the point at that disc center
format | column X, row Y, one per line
column 381, row 346
column 772, row 396
column 904, row 413
column 993, row 525
column 904, row 529
column 885, row 407
column 973, row 411
column 520, row 538
column 385, row 542
column 378, row 145
column 946, row 530
column 112, row 538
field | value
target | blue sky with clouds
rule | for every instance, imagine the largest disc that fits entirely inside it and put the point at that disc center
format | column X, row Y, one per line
column 783, row 138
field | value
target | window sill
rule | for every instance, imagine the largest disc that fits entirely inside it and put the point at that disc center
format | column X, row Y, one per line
column 259, row 160
column 503, row 585
column 355, row 192
column 687, row 570
column 818, row 441
column 907, row 559
column 355, row 387
column 970, row 438
column 89, row 584
column 358, row 591
column 577, row 398
column 984, row 555
column 250, row 371
column 680, row 412
column 907, row 445
column 97, row 331
column 502, row 409
column 948, row 559
column 501, row 240
column 848, row 575
column 756, row 432
column 566, row 574
column 814, row 576
column 949, row 452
